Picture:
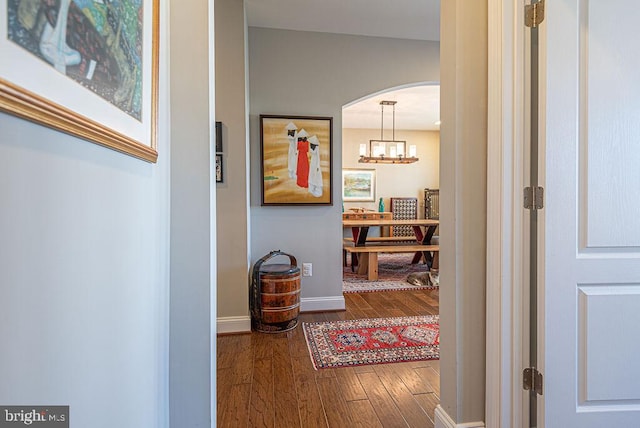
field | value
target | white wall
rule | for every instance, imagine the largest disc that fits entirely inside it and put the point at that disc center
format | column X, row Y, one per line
column 83, row 278
column 399, row 180
column 233, row 194
column 463, row 207
column 85, row 292
column 193, row 212
column 316, row 74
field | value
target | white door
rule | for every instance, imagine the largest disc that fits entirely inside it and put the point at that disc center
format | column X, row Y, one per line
column 590, row 319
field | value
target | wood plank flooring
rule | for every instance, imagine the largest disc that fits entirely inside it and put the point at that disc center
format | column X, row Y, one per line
column 268, row 380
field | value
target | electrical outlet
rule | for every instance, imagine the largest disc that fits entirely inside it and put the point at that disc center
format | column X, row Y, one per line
column 307, row 269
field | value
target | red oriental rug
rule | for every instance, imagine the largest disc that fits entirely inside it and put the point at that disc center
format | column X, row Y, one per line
column 393, row 270
column 373, row 341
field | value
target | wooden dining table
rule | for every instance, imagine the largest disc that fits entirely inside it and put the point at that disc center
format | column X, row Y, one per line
column 360, row 230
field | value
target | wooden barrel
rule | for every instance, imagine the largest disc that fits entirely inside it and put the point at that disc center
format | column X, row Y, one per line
column 275, row 295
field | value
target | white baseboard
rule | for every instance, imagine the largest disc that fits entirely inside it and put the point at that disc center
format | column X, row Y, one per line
column 233, row 325
column 314, row 304
column 309, row 304
column 443, row 420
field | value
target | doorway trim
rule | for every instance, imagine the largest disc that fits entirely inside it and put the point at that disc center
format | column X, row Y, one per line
column 505, row 400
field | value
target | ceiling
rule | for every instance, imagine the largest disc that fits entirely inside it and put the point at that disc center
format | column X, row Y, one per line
column 402, row 19
column 418, row 107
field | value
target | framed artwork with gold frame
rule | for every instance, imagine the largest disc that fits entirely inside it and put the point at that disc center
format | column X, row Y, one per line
column 87, row 68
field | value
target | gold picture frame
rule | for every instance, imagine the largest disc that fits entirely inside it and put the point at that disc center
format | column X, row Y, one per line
column 99, row 84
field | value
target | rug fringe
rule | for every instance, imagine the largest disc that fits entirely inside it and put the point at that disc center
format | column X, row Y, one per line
column 372, row 286
column 306, row 339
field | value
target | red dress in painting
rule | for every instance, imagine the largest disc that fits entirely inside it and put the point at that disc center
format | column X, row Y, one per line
column 303, row 164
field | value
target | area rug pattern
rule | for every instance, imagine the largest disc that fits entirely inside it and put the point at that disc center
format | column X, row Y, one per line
column 373, row 341
column 393, row 270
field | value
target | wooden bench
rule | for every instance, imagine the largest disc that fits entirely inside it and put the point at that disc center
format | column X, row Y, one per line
column 384, row 239
column 349, row 241
column 370, row 263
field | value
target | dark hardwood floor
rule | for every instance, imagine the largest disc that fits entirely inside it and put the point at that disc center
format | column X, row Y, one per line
column 268, row 380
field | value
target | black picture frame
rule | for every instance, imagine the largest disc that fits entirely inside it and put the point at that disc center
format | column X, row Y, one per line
column 218, row 137
column 219, row 169
column 296, row 167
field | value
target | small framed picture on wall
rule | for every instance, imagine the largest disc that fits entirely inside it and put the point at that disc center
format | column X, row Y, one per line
column 218, row 137
column 219, row 170
column 358, row 184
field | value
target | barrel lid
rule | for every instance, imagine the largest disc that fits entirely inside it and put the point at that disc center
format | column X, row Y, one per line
column 279, row 268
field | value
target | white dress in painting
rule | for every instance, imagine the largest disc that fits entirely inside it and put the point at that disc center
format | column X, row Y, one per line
column 292, row 158
column 293, row 155
column 315, row 173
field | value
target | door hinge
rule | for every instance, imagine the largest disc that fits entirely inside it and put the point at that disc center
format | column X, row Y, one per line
column 534, row 14
column 532, row 380
column 534, row 198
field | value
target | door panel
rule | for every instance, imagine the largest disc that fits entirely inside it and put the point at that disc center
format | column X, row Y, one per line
column 591, row 220
column 608, row 317
column 609, row 123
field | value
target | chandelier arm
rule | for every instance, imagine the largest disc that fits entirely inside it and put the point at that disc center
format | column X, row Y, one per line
column 382, row 122
column 393, row 133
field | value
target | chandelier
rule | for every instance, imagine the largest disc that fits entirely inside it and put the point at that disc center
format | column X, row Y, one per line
column 387, row 151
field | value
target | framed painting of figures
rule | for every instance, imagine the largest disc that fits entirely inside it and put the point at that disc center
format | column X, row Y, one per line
column 85, row 67
column 296, row 160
